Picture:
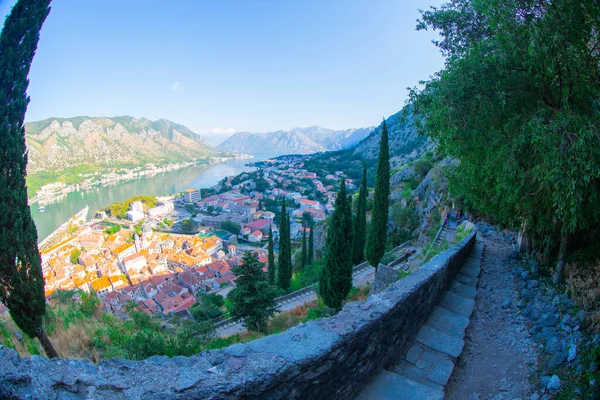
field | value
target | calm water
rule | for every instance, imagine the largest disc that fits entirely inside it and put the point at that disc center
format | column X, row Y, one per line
column 199, row 176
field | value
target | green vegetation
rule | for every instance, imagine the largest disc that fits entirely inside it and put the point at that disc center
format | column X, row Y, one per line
column 112, row 230
column 360, row 221
column 210, row 306
column 74, row 257
column 378, row 227
column 310, row 255
column 231, row 227
column 253, row 298
column 119, row 210
column 522, row 124
column 271, row 259
column 284, row 267
column 304, row 250
column 68, row 175
column 188, row 225
column 22, row 282
column 335, row 278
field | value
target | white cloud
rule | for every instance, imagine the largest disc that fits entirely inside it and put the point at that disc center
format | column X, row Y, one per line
column 175, row 86
column 223, row 131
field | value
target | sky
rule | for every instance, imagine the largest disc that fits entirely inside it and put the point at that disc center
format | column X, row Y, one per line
column 224, row 66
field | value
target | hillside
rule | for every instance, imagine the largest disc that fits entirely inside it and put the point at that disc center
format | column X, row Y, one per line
column 405, row 145
column 296, row 141
column 57, row 144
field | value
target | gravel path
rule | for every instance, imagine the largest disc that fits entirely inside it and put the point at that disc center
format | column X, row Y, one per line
column 499, row 354
column 359, row 280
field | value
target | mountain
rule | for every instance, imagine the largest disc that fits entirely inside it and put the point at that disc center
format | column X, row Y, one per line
column 58, row 144
column 296, row 141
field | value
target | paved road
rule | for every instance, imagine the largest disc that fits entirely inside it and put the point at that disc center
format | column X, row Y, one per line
column 359, row 280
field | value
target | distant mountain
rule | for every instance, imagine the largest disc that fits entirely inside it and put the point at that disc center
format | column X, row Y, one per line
column 57, row 144
column 296, row 141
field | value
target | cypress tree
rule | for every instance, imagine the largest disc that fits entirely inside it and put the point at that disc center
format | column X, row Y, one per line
column 304, row 254
column 284, row 274
column 271, row 264
column 335, row 279
column 253, row 297
column 310, row 256
column 360, row 221
column 377, row 237
column 21, row 278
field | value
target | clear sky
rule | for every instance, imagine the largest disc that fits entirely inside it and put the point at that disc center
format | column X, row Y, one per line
column 224, row 65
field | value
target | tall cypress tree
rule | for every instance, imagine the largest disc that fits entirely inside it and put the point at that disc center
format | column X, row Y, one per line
column 253, row 297
column 271, row 262
column 21, row 279
column 284, row 272
column 335, row 279
column 304, row 254
column 310, row 256
column 377, row 237
column 360, row 221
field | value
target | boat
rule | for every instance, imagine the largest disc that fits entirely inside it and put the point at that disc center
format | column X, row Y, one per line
column 41, row 208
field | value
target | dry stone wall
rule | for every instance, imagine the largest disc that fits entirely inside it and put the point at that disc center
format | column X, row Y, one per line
column 329, row 358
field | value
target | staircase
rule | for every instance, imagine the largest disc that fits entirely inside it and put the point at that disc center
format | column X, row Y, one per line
column 425, row 369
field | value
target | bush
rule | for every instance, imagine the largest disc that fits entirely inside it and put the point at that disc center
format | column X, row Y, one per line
column 422, row 166
column 230, row 226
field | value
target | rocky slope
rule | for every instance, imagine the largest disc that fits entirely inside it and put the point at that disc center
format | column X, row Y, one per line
column 61, row 143
column 296, row 141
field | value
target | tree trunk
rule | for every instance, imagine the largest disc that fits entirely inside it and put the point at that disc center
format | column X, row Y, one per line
column 562, row 257
column 46, row 344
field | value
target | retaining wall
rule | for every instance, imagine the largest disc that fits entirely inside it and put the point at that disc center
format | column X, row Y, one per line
column 329, row 358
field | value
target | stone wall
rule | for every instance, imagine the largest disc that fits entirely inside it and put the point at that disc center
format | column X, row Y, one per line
column 329, row 358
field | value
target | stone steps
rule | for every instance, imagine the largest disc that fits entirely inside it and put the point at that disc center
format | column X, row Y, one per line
column 427, row 366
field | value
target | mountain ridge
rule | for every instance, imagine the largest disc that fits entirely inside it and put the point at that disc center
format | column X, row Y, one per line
column 307, row 140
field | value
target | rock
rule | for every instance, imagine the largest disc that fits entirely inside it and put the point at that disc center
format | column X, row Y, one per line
column 474, row 396
column 547, row 320
column 557, row 360
column 553, row 383
column 593, row 367
column 18, row 335
column 545, row 380
column 534, row 396
column 572, row 353
column 532, row 284
column 504, row 385
column 507, row 303
column 524, row 275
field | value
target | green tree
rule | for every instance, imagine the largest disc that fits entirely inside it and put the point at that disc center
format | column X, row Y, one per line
column 360, row 221
column 271, row 262
column 284, row 269
column 188, row 225
column 517, row 105
column 74, row 257
column 304, row 250
column 253, row 298
column 21, row 279
column 231, row 226
column 377, row 238
column 310, row 256
column 335, row 280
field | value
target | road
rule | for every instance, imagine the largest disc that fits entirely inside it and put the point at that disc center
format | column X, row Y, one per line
column 358, row 280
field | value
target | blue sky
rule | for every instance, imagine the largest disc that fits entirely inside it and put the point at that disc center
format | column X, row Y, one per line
column 224, row 66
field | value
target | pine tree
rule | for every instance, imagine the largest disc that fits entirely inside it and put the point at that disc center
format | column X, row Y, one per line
column 304, row 254
column 271, row 264
column 360, row 222
column 253, row 297
column 285, row 251
column 310, row 256
column 22, row 282
column 377, row 238
column 335, row 279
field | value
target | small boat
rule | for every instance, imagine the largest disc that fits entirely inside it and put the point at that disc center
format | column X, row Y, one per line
column 41, row 208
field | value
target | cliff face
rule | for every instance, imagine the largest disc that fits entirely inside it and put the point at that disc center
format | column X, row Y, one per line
column 59, row 143
column 296, row 141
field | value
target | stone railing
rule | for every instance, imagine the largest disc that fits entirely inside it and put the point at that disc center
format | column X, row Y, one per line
column 325, row 358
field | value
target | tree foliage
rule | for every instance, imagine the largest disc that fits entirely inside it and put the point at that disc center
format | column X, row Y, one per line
column 377, row 238
column 21, row 279
column 360, row 221
column 253, row 298
column 335, row 280
column 74, row 257
column 284, row 270
column 310, row 255
column 271, row 259
column 517, row 105
column 231, row 226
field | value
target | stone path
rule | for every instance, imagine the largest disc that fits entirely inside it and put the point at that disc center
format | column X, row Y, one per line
column 429, row 362
column 500, row 354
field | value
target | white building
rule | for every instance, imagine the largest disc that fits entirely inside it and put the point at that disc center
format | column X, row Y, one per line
column 135, row 215
column 192, row 195
column 137, row 206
